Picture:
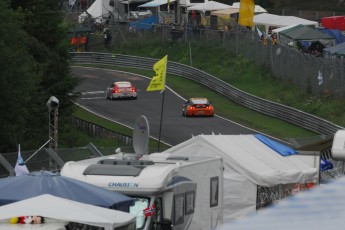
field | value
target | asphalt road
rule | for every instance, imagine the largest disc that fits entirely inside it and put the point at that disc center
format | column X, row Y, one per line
column 175, row 128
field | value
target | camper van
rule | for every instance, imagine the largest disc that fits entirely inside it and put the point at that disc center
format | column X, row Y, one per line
column 170, row 191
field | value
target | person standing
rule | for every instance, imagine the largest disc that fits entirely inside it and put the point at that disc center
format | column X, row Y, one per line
column 107, row 38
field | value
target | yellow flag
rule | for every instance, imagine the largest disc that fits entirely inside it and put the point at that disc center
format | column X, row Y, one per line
column 158, row 81
column 246, row 13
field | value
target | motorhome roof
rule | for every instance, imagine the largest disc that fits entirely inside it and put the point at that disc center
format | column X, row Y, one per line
column 149, row 174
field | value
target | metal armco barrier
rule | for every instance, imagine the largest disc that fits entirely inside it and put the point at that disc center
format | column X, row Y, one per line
column 294, row 116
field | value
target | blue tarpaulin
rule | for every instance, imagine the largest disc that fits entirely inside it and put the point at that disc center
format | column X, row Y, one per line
column 145, row 24
column 276, row 146
column 287, row 151
column 339, row 37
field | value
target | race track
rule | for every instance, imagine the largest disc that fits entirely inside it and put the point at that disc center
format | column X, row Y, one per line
column 175, row 128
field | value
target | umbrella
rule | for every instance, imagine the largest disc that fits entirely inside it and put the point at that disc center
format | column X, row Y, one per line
column 43, row 182
column 63, row 211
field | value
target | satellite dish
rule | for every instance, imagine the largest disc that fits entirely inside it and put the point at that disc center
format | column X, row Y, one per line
column 141, row 135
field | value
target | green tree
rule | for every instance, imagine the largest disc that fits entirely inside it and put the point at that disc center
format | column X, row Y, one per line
column 39, row 70
column 17, row 78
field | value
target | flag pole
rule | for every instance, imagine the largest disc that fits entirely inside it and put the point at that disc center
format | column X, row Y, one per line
column 160, row 123
column 158, row 83
column 38, row 150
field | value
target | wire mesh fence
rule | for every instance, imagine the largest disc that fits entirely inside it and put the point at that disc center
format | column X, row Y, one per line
column 308, row 71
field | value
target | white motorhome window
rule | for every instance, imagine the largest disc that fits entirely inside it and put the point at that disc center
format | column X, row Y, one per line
column 190, row 199
column 214, row 191
column 178, row 209
column 138, row 209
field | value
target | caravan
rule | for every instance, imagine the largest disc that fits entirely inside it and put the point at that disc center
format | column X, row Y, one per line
column 171, row 191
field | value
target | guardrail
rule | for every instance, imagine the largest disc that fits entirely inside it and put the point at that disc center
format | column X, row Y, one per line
column 294, row 116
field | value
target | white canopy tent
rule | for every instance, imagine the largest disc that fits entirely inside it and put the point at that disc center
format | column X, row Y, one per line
column 257, row 8
column 98, row 10
column 226, row 11
column 63, row 210
column 249, row 163
column 267, row 20
column 318, row 209
column 278, row 30
column 156, row 3
column 209, row 6
column 186, row 3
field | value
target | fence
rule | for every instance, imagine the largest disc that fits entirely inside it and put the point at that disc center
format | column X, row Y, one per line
column 98, row 131
column 315, row 75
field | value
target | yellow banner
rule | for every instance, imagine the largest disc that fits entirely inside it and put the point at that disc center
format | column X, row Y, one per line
column 158, row 81
column 246, row 13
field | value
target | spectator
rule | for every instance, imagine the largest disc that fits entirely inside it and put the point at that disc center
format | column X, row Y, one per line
column 274, row 39
column 107, row 38
column 193, row 15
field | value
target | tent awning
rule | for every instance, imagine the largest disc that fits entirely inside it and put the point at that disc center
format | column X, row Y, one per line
column 257, row 8
column 156, row 3
column 209, row 6
column 336, row 50
column 227, row 11
column 58, row 208
column 280, row 21
column 302, row 32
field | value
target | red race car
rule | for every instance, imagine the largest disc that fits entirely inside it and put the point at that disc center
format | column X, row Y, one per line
column 197, row 106
column 121, row 89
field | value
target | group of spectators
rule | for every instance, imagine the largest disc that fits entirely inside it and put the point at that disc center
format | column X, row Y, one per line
column 80, row 43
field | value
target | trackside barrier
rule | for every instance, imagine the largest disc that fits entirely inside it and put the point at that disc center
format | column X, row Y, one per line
column 294, row 116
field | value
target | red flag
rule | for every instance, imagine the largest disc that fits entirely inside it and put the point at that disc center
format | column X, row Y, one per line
column 150, row 210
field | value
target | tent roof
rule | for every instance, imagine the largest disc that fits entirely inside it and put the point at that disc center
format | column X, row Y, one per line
column 209, row 6
column 53, row 207
column 257, row 8
column 280, row 29
column 235, row 8
column 337, row 49
column 280, row 21
column 251, row 158
column 98, row 9
column 302, row 32
column 317, row 209
column 227, row 11
column 156, row 3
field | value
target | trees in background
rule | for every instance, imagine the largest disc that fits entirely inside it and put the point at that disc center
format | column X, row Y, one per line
column 34, row 64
